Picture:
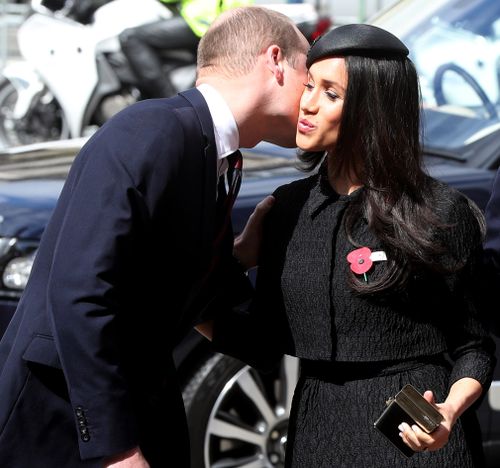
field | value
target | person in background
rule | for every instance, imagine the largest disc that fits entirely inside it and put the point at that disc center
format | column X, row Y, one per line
column 367, row 272
column 83, row 10
column 87, row 376
column 142, row 45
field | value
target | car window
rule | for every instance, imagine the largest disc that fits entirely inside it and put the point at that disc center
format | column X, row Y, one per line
column 455, row 46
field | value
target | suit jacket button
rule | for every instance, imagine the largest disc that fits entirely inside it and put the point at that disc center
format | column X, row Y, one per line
column 85, row 437
column 79, row 411
column 82, row 422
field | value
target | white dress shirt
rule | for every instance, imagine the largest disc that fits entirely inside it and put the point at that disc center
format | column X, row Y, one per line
column 227, row 137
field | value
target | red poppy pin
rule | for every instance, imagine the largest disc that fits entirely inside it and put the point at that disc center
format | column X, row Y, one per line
column 362, row 259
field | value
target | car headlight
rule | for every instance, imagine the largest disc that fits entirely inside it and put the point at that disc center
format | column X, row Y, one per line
column 6, row 243
column 17, row 271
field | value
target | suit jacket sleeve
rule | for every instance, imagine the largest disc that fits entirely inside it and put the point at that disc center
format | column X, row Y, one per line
column 112, row 192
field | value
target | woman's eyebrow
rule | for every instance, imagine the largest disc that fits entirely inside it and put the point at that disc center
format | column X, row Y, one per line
column 328, row 83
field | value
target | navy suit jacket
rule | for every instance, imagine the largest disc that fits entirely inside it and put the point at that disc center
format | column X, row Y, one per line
column 85, row 365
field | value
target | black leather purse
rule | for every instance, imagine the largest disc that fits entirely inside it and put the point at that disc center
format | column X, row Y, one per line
column 411, row 407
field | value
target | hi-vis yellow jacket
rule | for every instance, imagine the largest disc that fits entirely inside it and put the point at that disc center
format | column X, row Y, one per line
column 199, row 14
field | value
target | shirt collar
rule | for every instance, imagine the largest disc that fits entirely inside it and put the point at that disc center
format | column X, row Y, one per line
column 323, row 194
column 227, row 137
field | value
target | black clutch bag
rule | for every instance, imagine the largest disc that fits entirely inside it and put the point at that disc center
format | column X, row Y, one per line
column 411, row 407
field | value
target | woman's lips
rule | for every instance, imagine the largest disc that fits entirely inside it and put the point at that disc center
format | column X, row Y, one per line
column 304, row 126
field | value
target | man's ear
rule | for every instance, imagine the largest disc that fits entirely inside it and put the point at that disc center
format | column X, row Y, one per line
column 275, row 62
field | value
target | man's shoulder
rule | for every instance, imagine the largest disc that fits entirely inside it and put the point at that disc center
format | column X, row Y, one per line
column 144, row 114
column 191, row 98
column 157, row 118
column 156, row 107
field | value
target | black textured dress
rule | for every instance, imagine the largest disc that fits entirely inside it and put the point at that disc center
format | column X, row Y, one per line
column 355, row 351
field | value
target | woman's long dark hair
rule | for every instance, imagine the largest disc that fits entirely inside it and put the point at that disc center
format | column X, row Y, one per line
column 379, row 142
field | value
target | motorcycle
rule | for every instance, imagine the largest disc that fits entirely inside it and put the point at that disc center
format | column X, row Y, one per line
column 74, row 76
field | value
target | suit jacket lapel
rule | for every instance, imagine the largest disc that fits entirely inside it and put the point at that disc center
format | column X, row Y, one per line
column 210, row 167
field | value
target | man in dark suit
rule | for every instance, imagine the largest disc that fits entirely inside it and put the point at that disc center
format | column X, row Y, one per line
column 86, row 373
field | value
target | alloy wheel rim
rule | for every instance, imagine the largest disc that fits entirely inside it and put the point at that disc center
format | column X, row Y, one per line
column 255, row 438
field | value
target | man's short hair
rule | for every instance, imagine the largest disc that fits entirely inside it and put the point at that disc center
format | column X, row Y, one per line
column 235, row 40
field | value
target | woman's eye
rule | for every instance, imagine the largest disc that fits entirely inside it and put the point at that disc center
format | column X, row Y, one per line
column 308, row 86
column 332, row 95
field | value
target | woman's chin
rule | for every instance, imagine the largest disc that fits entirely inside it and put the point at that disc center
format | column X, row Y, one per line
column 305, row 146
column 303, row 143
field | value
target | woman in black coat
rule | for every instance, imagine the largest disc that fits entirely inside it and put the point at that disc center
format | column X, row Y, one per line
column 366, row 271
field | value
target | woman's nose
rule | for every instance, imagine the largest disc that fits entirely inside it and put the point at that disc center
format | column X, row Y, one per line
column 309, row 102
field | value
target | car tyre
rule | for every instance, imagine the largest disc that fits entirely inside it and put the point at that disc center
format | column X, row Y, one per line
column 238, row 416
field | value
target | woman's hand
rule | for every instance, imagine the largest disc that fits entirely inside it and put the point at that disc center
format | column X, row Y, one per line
column 463, row 393
column 247, row 244
column 418, row 440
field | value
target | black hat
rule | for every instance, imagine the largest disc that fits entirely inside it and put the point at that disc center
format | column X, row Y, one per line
column 356, row 39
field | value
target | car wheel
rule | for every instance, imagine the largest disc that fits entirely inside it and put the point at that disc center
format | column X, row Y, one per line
column 237, row 416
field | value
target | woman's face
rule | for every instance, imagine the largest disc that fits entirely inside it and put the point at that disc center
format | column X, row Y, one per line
column 321, row 105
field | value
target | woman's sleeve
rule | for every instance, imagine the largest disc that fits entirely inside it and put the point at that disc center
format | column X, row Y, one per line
column 471, row 346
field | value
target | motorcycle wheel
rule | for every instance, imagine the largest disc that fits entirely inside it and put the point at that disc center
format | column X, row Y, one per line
column 44, row 121
column 238, row 416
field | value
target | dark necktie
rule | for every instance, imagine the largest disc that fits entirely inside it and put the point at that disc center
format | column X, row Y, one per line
column 235, row 166
column 223, row 242
column 226, row 201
